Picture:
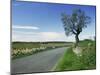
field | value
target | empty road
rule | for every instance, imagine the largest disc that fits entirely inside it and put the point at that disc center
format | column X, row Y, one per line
column 40, row 62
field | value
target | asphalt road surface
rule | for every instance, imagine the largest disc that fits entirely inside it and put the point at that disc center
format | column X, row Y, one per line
column 40, row 62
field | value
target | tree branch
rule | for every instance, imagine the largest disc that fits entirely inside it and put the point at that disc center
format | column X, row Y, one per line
column 73, row 32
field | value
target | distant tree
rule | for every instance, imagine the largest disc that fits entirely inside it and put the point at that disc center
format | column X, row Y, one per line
column 74, row 23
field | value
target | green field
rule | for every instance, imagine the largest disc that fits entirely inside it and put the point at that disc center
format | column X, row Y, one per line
column 70, row 61
column 22, row 49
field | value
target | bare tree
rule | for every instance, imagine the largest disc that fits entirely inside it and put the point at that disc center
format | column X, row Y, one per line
column 74, row 23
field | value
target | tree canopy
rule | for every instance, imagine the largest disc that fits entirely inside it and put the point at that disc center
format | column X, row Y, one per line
column 74, row 23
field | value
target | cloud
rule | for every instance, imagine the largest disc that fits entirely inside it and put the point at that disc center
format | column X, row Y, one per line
column 51, row 35
column 46, row 36
column 25, row 27
column 39, row 36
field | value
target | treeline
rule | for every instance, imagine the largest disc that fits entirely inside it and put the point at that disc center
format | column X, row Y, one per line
column 41, row 42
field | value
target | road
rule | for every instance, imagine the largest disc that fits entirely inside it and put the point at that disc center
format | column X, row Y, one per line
column 40, row 62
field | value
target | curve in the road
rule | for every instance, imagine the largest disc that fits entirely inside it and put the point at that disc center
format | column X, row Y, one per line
column 40, row 62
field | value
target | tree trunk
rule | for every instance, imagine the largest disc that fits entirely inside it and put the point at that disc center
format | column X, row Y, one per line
column 77, row 40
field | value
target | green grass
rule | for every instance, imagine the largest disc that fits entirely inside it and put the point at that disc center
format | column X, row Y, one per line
column 24, row 45
column 70, row 61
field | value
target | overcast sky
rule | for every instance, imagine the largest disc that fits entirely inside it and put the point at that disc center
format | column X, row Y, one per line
column 42, row 21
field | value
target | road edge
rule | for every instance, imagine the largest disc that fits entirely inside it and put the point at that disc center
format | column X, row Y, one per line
column 53, row 69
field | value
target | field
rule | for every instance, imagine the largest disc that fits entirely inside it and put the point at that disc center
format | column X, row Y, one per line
column 21, row 49
column 70, row 61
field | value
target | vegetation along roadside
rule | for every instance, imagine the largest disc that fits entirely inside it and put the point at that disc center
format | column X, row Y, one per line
column 71, row 61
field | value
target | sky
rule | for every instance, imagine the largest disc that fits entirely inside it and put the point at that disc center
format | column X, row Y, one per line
column 34, row 21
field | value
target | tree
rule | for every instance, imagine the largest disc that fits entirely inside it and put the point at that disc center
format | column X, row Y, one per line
column 75, row 23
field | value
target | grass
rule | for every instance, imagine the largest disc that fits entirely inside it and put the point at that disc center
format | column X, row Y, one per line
column 23, row 49
column 70, row 61
column 24, row 45
column 20, row 55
